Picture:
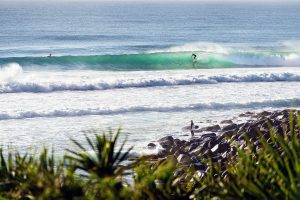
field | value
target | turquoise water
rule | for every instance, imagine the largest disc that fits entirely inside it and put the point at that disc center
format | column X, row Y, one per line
column 131, row 65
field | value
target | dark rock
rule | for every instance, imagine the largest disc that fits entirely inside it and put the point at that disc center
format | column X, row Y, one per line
column 178, row 152
column 208, row 136
column 193, row 146
column 228, row 134
column 215, row 148
column 195, row 159
column 177, row 142
column 200, row 166
column 179, row 172
column 197, row 151
column 184, row 159
column 226, row 121
column 207, row 153
column 220, row 148
column 151, row 145
column 244, row 127
column 230, row 127
column 212, row 143
column 166, row 142
column 251, row 132
column 213, row 128
column 247, row 114
column 162, row 153
column 264, row 113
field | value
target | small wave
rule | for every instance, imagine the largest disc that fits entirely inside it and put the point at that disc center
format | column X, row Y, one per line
column 193, row 107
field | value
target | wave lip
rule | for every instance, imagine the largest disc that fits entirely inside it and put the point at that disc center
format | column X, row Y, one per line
column 193, row 107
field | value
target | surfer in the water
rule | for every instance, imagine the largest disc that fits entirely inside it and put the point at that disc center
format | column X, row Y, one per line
column 194, row 57
column 49, row 55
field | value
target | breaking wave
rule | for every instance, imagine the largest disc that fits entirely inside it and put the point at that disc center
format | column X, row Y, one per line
column 13, row 80
column 194, row 107
column 172, row 58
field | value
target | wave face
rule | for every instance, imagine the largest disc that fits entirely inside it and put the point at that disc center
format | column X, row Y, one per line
column 14, row 80
column 171, row 58
column 193, row 107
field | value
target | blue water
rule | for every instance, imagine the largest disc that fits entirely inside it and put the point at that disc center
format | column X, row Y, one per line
column 37, row 29
column 131, row 65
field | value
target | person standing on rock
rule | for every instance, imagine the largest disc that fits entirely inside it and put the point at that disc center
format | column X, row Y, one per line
column 192, row 128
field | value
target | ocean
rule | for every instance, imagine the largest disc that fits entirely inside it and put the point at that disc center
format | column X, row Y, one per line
column 130, row 65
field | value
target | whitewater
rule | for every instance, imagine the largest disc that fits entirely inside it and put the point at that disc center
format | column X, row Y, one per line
column 122, row 66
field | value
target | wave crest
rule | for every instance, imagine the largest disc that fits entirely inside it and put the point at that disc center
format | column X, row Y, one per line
column 13, row 81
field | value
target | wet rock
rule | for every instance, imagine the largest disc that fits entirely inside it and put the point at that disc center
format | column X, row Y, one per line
column 184, row 159
column 212, row 143
column 220, row 148
column 209, row 136
column 264, row 113
column 162, row 153
column 166, row 142
column 178, row 152
column 226, row 121
column 177, row 142
column 196, row 151
column 193, row 146
column 228, row 134
column 230, row 127
column 210, row 128
column 151, row 145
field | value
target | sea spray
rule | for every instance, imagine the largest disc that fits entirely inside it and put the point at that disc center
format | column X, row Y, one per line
column 10, row 71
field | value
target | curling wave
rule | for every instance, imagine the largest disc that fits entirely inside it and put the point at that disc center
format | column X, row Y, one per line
column 194, row 107
column 162, row 60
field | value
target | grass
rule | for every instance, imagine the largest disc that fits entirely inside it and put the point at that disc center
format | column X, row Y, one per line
column 97, row 171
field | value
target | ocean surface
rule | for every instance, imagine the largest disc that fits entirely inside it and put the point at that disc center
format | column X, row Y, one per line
column 131, row 65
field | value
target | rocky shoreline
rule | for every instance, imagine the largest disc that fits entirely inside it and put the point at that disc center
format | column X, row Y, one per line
column 219, row 142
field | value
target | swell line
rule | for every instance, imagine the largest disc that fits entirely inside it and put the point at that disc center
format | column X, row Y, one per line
column 161, row 60
column 138, row 109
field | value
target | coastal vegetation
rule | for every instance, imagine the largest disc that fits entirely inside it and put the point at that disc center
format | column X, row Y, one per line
column 259, row 159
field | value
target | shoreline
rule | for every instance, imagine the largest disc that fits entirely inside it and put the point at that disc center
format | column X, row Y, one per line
column 219, row 142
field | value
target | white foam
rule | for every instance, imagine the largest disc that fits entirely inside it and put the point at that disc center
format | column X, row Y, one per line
column 13, row 81
column 136, row 109
column 240, row 54
column 196, row 47
column 10, row 71
column 253, row 59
